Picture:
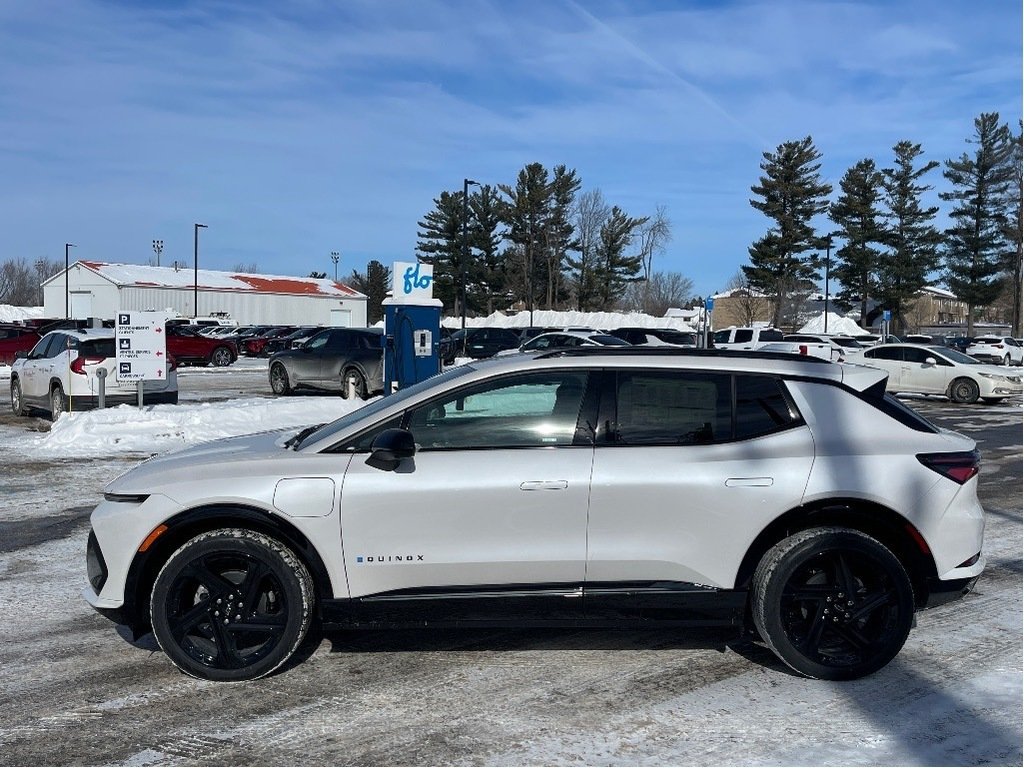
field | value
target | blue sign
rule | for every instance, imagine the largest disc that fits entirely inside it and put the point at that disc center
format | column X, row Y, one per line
column 412, row 280
column 709, row 304
column 887, row 315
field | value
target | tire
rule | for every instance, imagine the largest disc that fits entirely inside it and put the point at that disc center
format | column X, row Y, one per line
column 360, row 383
column 17, row 399
column 963, row 390
column 1006, row 359
column 832, row 603
column 267, row 585
column 58, row 403
column 279, row 380
column 221, row 357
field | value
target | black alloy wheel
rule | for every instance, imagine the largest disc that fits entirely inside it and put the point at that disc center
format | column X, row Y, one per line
column 279, row 380
column 221, row 357
column 832, row 603
column 231, row 605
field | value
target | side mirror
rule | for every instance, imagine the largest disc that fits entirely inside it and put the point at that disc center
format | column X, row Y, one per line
column 389, row 448
column 931, row 361
column 21, row 355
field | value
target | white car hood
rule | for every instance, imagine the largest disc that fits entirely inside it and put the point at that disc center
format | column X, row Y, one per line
column 215, row 458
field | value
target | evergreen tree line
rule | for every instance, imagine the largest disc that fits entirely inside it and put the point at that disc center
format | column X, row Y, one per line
column 543, row 244
column 885, row 245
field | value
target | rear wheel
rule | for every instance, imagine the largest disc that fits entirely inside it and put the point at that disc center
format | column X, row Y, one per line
column 57, row 402
column 1006, row 359
column 832, row 603
column 279, row 380
column 221, row 357
column 231, row 604
column 963, row 391
column 358, row 383
column 17, row 400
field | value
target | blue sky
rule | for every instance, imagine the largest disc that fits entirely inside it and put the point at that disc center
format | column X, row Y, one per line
column 297, row 128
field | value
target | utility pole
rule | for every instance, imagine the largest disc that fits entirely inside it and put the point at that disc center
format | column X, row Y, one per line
column 195, row 268
column 158, row 248
column 465, row 241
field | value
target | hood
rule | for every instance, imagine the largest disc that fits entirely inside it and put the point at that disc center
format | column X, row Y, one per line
column 205, row 459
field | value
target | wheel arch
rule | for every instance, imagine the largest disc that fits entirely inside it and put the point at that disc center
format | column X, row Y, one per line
column 890, row 528
column 185, row 525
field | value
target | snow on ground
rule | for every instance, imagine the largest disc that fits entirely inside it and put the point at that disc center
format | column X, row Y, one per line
column 126, row 430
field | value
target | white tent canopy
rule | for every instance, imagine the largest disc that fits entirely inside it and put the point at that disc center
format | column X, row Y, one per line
column 837, row 326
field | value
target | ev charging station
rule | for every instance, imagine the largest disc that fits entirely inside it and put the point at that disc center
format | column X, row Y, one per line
column 412, row 327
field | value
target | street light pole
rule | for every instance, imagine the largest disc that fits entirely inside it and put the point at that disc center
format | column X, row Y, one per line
column 335, row 257
column 828, row 270
column 158, row 248
column 465, row 241
column 67, row 280
column 195, row 268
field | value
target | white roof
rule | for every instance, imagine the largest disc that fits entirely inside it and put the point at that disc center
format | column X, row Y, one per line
column 168, row 277
column 10, row 313
column 938, row 291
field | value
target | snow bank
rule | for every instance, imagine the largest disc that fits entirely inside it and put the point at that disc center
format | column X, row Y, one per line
column 555, row 319
column 837, row 325
column 127, row 430
column 10, row 313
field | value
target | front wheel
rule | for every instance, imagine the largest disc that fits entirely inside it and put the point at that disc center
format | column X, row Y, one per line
column 832, row 603
column 963, row 391
column 231, row 604
column 221, row 357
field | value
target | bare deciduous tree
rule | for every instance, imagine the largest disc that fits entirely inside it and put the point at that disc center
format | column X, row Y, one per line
column 655, row 296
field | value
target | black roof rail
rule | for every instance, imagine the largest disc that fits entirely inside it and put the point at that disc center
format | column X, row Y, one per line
column 645, row 351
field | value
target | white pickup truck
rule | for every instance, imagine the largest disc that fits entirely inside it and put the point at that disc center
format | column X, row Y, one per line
column 808, row 344
column 745, row 338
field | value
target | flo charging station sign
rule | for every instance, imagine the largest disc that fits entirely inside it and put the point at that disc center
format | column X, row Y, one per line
column 141, row 346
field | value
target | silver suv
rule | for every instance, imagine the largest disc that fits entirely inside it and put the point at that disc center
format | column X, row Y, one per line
column 783, row 495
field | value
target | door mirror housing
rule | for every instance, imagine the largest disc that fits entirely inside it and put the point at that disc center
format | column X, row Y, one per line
column 931, row 361
column 21, row 354
column 390, row 447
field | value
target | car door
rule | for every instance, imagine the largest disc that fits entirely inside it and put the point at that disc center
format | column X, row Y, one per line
column 888, row 359
column 34, row 382
column 689, row 467
column 918, row 375
column 304, row 363
column 489, row 518
column 337, row 353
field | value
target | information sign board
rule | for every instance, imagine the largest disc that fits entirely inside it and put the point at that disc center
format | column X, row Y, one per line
column 141, row 346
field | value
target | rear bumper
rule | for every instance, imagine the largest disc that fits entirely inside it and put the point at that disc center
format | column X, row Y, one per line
column 942, row 592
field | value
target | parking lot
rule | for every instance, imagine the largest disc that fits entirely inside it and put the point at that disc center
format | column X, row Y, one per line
column 75, row 691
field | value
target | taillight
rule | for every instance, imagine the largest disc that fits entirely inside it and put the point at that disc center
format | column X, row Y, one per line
column 958, row 467
column 998, row 346
column 803, row 349
column 79, row 363
column 172, row 362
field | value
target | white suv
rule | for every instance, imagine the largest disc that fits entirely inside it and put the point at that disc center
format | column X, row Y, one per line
column 785, row 495
column 59, row 374
column 1002, row 350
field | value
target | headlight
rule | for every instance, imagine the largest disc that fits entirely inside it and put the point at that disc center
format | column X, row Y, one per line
column 994, row 377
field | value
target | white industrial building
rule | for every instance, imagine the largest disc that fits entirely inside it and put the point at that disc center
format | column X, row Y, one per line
column 96, row 289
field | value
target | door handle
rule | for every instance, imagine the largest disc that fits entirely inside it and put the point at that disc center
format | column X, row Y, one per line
column 748, row 482
column 544, row 485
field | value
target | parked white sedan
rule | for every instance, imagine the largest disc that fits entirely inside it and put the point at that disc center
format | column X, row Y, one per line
column 934, row 370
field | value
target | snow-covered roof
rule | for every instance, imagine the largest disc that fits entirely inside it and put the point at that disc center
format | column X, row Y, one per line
column 938, row 292
column 837, row 325
column 207, row 279
column 9, row 313
column 752, row 292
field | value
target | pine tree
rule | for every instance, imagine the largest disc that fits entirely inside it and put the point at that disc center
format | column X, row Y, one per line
column 1013, row 233
column 975, row 242
column 440, row 244
column 525, row 213
column 858, row 215
column 910, row 238
column 791, row 193
column 559, row 230
column 615, row 269
column 488, row 284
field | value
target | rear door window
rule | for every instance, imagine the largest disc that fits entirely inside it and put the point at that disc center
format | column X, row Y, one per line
column 669, row 408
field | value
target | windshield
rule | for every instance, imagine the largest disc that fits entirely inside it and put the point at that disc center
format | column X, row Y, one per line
column 381, row 404
column 952, row 354
column 609, row 341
